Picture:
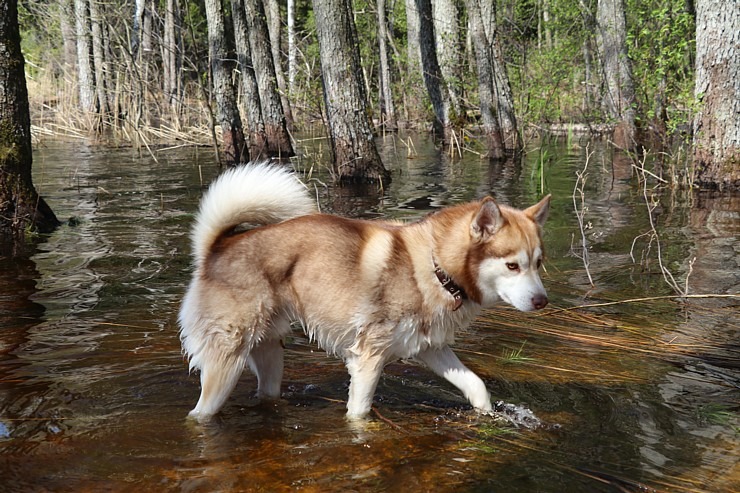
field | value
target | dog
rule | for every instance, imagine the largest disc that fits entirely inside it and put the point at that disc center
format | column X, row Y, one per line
column 367, row 291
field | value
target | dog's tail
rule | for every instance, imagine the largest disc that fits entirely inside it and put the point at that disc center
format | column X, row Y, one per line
column 256, row 193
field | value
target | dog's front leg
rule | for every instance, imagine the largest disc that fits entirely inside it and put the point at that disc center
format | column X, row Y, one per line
column 445, row 363
column 364, row 372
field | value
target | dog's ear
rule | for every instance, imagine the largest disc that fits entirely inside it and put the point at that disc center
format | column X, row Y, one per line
column 487, row 220
column 538, row 212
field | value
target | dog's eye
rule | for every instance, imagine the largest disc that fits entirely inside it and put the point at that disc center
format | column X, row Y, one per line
column 539, row 263
column 512, row 266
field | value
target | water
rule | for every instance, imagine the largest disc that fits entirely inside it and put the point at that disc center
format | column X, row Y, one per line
column 636, row 396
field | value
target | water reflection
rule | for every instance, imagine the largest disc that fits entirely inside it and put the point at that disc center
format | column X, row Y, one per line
column 94, row 391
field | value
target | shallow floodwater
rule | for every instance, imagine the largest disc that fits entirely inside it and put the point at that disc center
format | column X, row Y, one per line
column 637, row 393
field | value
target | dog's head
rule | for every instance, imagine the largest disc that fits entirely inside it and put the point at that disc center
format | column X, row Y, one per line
column 508, row 246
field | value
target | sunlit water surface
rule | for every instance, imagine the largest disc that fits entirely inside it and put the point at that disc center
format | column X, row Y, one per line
column 635, row 396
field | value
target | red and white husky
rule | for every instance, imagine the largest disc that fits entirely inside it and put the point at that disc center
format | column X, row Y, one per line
column 370, row 292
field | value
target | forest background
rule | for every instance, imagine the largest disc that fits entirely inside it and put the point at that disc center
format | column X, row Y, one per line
column 145, row 71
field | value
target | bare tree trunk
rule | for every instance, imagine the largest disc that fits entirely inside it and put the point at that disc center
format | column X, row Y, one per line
column 356, row 158
column 414, row 77
column 619, row 93
column 387, row 108
column 21, row 208
column 256, row 136
column 278, row 139
column 85, row 77
column 69, row 36
column 275, row 27
column 102, row 82
column 433, row 79
column 447, row 38
column 172, row 56
column 496, row 101
column 717, row 124
column 227, row 112
column 292, row 50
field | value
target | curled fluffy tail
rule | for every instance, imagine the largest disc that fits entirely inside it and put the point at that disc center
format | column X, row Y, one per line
column 252, row 193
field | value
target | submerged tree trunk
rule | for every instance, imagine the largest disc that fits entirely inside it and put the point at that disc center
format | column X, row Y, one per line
column 278, row 139
column 433, row 79
column 356, row 158
column 619, row 93
column 717, row 124
column 387, row 109
column 22, row 210
column 227, row 112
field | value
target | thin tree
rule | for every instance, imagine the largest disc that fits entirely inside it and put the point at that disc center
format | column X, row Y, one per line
column 355, row 156
column 387, row 108
column 227, row 113
column 21, row 208
column 717, row 124
column 275, row 26
column 85, row 76
column 618, row 100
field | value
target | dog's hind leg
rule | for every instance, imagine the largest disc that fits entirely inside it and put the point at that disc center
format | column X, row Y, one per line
column 266, row 361
column 445, row 363
column 218, row 377
column 364, row 376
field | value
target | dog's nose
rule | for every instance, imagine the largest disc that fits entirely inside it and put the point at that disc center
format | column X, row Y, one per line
column 539, row 301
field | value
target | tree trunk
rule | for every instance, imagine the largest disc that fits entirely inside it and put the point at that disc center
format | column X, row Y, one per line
column 227, row 112
column 387, row 108
column 85, row 76
column 278, row 139
column 356, row 158
column 275, row 28
column 414, row 78
column 172, row 50
column 433, row 79
column 102, row 82
column 496, row 101
column 22, row 210
column 69, row 36
column 292, row 50
column 717, row 124
column 256, row 136
column 447, row 41
column 619, row 93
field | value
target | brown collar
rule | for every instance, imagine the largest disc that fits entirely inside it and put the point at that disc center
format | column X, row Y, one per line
column 450, row 286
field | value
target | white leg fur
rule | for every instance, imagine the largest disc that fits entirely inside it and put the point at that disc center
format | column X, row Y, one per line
column 364, row 376
column 266, row 361
column 445, row 363
column 218, row 377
